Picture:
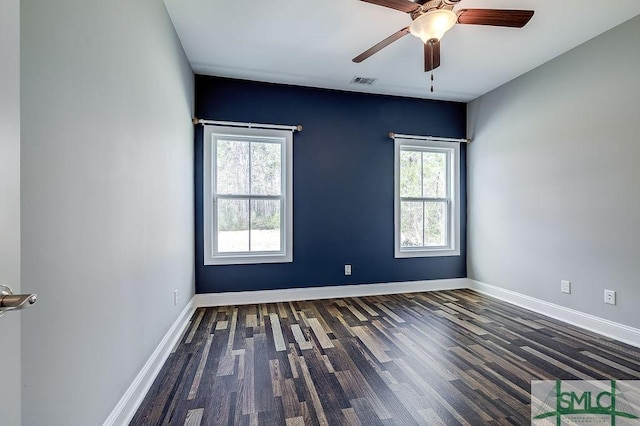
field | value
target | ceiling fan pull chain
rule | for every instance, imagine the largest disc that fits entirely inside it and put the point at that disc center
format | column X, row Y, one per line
column 431, row 69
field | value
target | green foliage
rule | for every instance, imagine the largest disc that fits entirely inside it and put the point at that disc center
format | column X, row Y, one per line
column 233, row 215
column 265, row 222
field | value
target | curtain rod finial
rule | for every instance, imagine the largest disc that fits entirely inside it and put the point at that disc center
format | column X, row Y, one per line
column 392, row 135
column 195, row 120
column 299, row 127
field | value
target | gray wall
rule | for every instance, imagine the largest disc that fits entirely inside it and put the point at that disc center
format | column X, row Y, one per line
column 107, row 199
column 554, row 179
column 10, row 205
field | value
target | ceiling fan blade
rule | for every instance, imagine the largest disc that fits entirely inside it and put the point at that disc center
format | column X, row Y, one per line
column 495, row 17
column 379, row 46
column 401, row 5
column 431, row 56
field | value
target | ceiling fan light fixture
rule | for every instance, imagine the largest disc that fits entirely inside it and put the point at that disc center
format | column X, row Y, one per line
column 433, row 24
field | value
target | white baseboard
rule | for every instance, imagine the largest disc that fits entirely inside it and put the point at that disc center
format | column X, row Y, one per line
column 327, row 292
column 132, row 398
column 602, row 326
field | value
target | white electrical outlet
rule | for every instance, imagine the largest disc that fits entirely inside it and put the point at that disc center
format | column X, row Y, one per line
column 565, row 286
column 347, row 269
column 175, row 297
column 610, row 297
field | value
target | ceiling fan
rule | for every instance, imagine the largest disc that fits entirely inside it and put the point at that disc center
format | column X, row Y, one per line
column 433, row 18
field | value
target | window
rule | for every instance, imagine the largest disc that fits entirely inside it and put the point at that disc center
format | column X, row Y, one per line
column 248, row 214
column 427, row 200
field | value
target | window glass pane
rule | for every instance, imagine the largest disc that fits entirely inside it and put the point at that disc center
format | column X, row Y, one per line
column 265, row 168
column 434, row 169
column 410, row 174
column 411, row 224
column 232, row 167
column 233, row 225
column 435, row 233
column 265, row 225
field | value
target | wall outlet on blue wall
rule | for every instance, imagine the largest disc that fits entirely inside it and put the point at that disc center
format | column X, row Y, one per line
column 347, row 269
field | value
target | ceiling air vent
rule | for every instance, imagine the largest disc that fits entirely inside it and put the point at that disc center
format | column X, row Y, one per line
column 363, row 80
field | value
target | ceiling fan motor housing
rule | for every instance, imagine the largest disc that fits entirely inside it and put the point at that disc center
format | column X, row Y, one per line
column 431, row 5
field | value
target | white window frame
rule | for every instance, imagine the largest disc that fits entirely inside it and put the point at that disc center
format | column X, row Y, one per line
column 452, row 149
column 284, row 137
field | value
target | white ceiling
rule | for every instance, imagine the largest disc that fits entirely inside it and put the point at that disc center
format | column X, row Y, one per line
column 311, row 43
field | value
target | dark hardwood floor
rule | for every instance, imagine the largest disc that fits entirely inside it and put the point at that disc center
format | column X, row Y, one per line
column 446, row 357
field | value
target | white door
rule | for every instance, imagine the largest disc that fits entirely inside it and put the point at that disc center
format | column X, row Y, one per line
column 10, row 206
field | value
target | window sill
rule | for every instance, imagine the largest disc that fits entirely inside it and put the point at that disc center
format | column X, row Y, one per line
column 248, row 260
column 402, row 254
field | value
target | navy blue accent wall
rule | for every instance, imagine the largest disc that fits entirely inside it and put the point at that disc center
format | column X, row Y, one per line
column 342, row 182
